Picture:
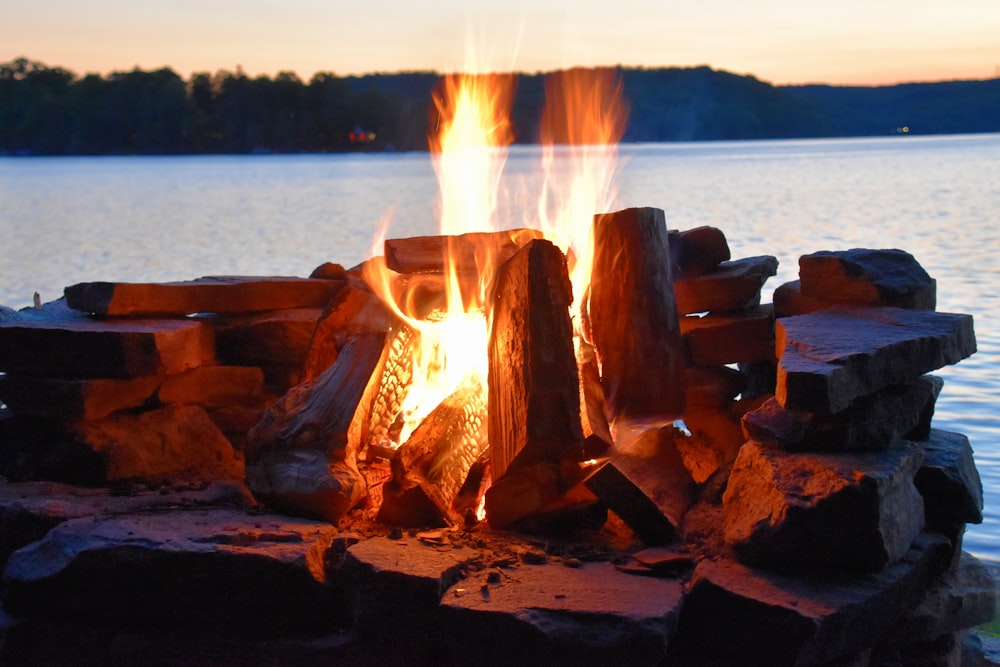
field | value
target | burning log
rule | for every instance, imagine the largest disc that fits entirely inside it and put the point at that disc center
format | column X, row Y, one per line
column 426, row 254
column 352, row 311
column 633, row 317
column 534, row 391
column 302, row 454
column 436, row 460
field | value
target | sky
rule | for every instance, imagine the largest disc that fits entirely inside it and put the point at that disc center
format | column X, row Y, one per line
column 862, row 42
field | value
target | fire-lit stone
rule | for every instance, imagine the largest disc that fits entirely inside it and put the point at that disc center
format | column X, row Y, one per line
column 273, row 338
column 105, row 348
column 949, row 481
column 712, row 387
column 29, row 510
column 168, row 441
column 646, row 483
column 789, row 300
column 727, row 339
column 738, row 615
column 864, row 276
column 829, row 358
column 171, row 570
column 695, row 251
column 213, row 386
column 552, row 614
column 69, row 399
column 212, row 294
column 871, row 422
column 714, row 439
column 730, row 286
column 789, row 511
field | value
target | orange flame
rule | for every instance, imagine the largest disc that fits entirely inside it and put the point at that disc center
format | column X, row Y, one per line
column 471, row 132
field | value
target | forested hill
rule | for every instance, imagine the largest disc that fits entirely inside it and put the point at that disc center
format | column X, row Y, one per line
column 51, row 111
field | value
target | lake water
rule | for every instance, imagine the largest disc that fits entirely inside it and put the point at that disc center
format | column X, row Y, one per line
column 68, row 220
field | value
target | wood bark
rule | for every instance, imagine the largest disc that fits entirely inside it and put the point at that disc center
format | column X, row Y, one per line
column 633, row 320
column 427, row 254
column 534, row 390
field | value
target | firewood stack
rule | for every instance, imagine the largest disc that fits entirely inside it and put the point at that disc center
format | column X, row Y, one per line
column 127, row 381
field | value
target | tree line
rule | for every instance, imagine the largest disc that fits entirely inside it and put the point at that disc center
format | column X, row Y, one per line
column 48, row 110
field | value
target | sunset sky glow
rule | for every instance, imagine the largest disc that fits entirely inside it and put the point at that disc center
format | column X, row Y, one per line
column 781, row 41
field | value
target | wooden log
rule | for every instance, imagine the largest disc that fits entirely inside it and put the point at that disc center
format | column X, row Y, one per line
column 596, row 430
column 633, row 320
column 352, row 311
column 534, row 390
column 647, row 485
column 104, row 349
column 316, row 424
column 426, row 254
column 436, row 459
column 63, row 399
column 212, row 294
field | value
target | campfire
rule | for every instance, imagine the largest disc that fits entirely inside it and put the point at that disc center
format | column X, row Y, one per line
column 544, row 375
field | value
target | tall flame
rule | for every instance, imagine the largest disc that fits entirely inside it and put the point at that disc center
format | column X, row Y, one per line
column 470, row 134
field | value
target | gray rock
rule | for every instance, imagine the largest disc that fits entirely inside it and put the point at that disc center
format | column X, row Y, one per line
column 867, row 277
column 789, row 511
column 551, row 614
column 949, row 481
column 828, row 359
column 738, row 615
column 221, row 569
column 871, row 422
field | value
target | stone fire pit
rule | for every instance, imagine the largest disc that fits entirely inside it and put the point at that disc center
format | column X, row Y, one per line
column 806, row 512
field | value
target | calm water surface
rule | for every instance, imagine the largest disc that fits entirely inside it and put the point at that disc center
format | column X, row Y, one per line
column 68, row 220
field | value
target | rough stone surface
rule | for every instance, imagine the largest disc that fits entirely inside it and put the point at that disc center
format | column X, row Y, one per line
column 829, row 358
column 808, row 510
column 104, row 349
column 172, row 569
column 788, row 301
column 29, row 510
column 949, row 481
column 711, row 387
column 69, row 399
column 730, row 286
column 213, row 386
column 726, row 339
column 738, row 615
column 865, row 276
column 159, row 443
column 275, row 338
column 212, row 294
column 871, row 422
column 551, row 614
column 695, row 251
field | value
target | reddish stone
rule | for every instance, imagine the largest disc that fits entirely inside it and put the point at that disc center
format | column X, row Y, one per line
column 213, row 386
column 179, row 439
column 863, row 276
column 104, row 348
column 711, row 386
column 279, row 338
column 829, row 358
column 792, row 511
column 714, row 441
column 788, row 301
column 695, row 251
column 73, row 399
column 725, row 339
column 213, row 294
column 730, row 286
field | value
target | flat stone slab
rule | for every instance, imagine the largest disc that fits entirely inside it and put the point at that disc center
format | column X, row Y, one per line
column 172, row 569
column 829, row 358
column 697, row 250
column 851, row 511
column 864, row 276
column 212, row 294
column 871, row 422
column 949, row 481
column 213, row 386
column 729, row 338
column 554, row 614
column 71, row 399
column 738, row 615
column 279, row 337
column 104, row 348
column 731, row 286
